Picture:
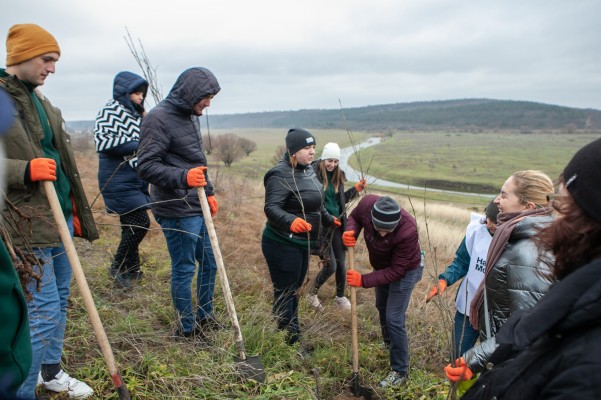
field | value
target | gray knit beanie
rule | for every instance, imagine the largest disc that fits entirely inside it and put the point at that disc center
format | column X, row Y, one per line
column 386, row 213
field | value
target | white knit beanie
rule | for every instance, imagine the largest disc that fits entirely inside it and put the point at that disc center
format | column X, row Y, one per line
column 331, row 151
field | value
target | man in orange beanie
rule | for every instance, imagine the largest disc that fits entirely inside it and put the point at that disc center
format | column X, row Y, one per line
column 38, row 149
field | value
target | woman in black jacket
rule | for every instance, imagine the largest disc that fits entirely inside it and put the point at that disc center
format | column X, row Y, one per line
column 553, row 351
column 295, row 211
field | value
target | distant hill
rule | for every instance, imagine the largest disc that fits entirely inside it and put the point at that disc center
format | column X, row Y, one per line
column 466, row 114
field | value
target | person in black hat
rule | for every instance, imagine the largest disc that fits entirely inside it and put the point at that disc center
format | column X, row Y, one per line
column 295, row 211
column 469, row 263
column 553, row 350
column 392, row 242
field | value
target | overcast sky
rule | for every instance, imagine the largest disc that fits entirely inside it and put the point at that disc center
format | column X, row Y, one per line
column 280, row 55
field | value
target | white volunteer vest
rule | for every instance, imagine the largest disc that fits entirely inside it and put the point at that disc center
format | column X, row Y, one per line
column 477, row 241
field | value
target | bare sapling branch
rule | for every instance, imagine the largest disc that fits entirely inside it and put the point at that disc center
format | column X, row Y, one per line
column 148, row 70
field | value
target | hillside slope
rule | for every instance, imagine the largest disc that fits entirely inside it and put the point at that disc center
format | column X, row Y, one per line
column 467, row 114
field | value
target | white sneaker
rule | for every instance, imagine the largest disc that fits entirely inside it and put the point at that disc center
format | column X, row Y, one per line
column 342, row 302
column 62, row 382
column 393, row 379
column 314, row 301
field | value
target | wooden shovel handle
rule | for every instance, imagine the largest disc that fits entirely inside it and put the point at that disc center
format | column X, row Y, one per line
column 354, row 333
column 225, row 285
column 84, row 289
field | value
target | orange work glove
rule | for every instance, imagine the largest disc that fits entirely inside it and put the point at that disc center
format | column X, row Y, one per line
column 359, row 186
column 42, row 169
column 348, row 239
column 196, row 177
column 299, row 225
column 436, row 290
column 353, row 278
column 76, row 222
column 459, row 373
column 337, row 222
column 213, row 204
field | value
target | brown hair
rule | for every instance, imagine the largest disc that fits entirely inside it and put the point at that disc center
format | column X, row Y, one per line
column 292, row 160
column 532, row 187
column 337, row 176
column 574, row 238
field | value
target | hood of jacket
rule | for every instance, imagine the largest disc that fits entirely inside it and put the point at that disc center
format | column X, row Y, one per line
column 124, row 85
column 193, row 85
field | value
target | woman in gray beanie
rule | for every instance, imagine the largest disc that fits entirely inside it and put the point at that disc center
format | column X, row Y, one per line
column 553, row 350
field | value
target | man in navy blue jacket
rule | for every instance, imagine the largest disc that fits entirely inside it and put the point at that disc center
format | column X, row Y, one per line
column 172, row 160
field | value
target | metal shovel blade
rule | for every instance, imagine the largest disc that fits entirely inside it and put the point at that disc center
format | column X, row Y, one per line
column 250, row 368
column 358, row 390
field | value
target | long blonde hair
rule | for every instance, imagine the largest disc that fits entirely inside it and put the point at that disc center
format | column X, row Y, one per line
column 532, row 187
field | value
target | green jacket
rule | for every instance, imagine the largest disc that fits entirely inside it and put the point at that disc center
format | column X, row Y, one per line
column 15, row 345
column 21, row 144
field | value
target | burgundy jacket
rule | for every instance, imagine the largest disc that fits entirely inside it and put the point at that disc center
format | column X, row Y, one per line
column 391, row 256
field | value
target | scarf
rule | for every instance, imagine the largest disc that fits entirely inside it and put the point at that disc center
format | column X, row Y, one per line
column 506, row 224
column 115, row 126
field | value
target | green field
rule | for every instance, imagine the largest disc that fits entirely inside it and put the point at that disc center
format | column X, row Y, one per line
column 464, row 162
column 469, row 162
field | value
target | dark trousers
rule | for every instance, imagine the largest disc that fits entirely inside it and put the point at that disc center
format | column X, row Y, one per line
column 134, row 226
column 287, row 267
column 334, row 263
column 392, row 301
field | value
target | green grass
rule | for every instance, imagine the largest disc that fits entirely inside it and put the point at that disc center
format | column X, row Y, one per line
column 138, row 323
column 472, row 162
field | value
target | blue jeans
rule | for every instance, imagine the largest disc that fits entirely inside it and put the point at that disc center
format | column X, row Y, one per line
column 392, row 301
column 188, row 243
column 47, row 312
column 287, row 266
column 465, row 335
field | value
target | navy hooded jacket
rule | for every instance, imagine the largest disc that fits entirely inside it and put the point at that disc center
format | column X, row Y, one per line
column 116, row 135
column 171, row 145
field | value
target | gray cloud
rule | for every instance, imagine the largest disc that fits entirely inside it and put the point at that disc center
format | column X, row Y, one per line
column 272, row 55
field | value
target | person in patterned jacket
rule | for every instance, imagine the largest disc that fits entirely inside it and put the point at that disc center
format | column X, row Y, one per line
column 117, row 135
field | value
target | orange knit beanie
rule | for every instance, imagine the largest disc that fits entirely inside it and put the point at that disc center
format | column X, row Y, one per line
column 26, row 41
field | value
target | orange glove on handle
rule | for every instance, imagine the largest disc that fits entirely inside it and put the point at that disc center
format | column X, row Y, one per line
column 76, row 222
column 196, row 177
column 337, row 222
column 359, row 186
column 459, row 373
column 213, row 205
column 42, row 169
column 348, row 239
column 353, row 278
column 438, row 289
column 299, row 225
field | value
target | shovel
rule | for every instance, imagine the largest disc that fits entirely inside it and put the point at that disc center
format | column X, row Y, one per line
column 250, row 367
column 356, row 388
column 84, row 290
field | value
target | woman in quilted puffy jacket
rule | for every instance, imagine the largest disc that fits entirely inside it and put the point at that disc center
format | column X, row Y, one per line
column 516, row 278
